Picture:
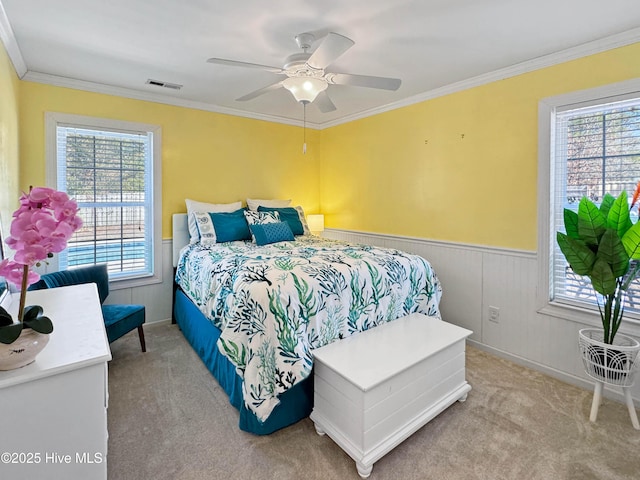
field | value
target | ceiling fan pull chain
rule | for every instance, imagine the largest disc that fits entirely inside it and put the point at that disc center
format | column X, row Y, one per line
column 304, row 128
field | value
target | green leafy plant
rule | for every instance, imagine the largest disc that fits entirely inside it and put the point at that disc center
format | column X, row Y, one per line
column 31, row 318
column 603, row 244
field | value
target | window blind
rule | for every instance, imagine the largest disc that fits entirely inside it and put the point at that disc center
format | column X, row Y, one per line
column 109, row 173
column 597, row 151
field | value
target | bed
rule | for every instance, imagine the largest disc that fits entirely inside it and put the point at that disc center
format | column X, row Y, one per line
column 254, row 313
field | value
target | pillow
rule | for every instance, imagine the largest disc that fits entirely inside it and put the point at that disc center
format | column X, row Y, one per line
column 194, row 206
column 204, row 228
column 267, row 233
column 254, row 203
column 303, row 220
column 230, row 226
column 294, row 217
column 222, row 227
column 260, row 218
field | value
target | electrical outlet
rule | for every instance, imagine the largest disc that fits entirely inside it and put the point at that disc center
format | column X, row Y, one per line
column 494, row 314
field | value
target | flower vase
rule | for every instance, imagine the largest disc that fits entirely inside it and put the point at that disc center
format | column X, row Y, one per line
column 23, row 351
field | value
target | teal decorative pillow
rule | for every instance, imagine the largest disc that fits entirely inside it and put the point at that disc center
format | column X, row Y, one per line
column 260, row 218
column 267, row 233
column 294, row 216
column 228, row 227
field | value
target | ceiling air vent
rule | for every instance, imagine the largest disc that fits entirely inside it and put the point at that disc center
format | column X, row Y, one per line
column 158, row 83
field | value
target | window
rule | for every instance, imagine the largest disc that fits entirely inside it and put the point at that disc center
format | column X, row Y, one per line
column 592, row 147
column 112, row 170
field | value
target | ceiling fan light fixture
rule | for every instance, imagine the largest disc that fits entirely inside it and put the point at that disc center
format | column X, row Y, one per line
column 304, row 89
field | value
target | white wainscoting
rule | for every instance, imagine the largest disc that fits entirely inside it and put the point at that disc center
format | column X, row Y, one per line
column 156, row 297
column 473, row 279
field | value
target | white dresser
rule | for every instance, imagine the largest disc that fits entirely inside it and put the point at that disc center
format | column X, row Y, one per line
column 53, row 412
column 375, row 388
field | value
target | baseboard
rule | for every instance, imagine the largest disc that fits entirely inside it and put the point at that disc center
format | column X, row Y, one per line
column 158, row 322
column 616, row 395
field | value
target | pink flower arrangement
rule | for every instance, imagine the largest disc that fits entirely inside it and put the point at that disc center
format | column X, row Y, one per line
column 42, row 225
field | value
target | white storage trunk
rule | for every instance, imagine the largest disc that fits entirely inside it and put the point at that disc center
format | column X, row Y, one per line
column 375, row 388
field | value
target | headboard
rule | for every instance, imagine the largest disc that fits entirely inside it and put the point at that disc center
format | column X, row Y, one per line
column 180, row 235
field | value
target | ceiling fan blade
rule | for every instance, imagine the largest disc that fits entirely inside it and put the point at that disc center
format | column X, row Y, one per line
column 235, row 63
column 383, row 83
column 324, row 103
column 329, row 50
column 261, row 91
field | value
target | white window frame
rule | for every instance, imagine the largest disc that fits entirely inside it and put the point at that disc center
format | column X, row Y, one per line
column 547, row 109
column 52, row 119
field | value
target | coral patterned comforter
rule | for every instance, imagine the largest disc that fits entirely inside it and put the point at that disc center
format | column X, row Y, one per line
column 275, row 303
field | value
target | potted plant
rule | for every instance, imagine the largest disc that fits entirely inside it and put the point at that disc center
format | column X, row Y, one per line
column 41, row 226
column 603, row 244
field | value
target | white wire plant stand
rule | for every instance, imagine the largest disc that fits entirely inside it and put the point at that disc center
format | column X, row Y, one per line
column 611, row 364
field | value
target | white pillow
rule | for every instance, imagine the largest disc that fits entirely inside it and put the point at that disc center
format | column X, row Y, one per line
column 204, row 225
column 254, row 203
column 303, row 220
column 201, row 207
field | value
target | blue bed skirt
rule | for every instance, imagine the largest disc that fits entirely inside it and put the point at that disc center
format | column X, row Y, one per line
column 295, row 404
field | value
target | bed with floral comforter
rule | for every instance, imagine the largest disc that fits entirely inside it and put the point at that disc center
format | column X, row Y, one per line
column 274, row 304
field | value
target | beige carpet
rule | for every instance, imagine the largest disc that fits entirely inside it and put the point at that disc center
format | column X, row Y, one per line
column 169, row 419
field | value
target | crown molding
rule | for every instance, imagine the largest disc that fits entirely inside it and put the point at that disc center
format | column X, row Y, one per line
column 597, row 46
column 591, row 48
column 66, row 82
column 10, row 44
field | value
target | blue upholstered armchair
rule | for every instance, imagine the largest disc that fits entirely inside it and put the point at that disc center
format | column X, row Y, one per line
column 118, row 319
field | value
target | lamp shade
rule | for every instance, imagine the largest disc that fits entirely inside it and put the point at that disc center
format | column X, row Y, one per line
column 304, row 89
column 316, row 223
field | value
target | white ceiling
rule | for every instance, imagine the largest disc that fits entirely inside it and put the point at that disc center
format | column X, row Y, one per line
column 432, row 45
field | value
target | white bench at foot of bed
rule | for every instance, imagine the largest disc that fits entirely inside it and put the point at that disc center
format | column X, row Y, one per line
column 375, row 388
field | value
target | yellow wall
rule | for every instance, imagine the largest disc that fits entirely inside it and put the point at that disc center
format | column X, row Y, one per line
column 9, row 151
column 205, row 156
column 462, row 167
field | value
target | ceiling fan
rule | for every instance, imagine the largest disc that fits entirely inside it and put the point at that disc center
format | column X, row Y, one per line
column 306, row 76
